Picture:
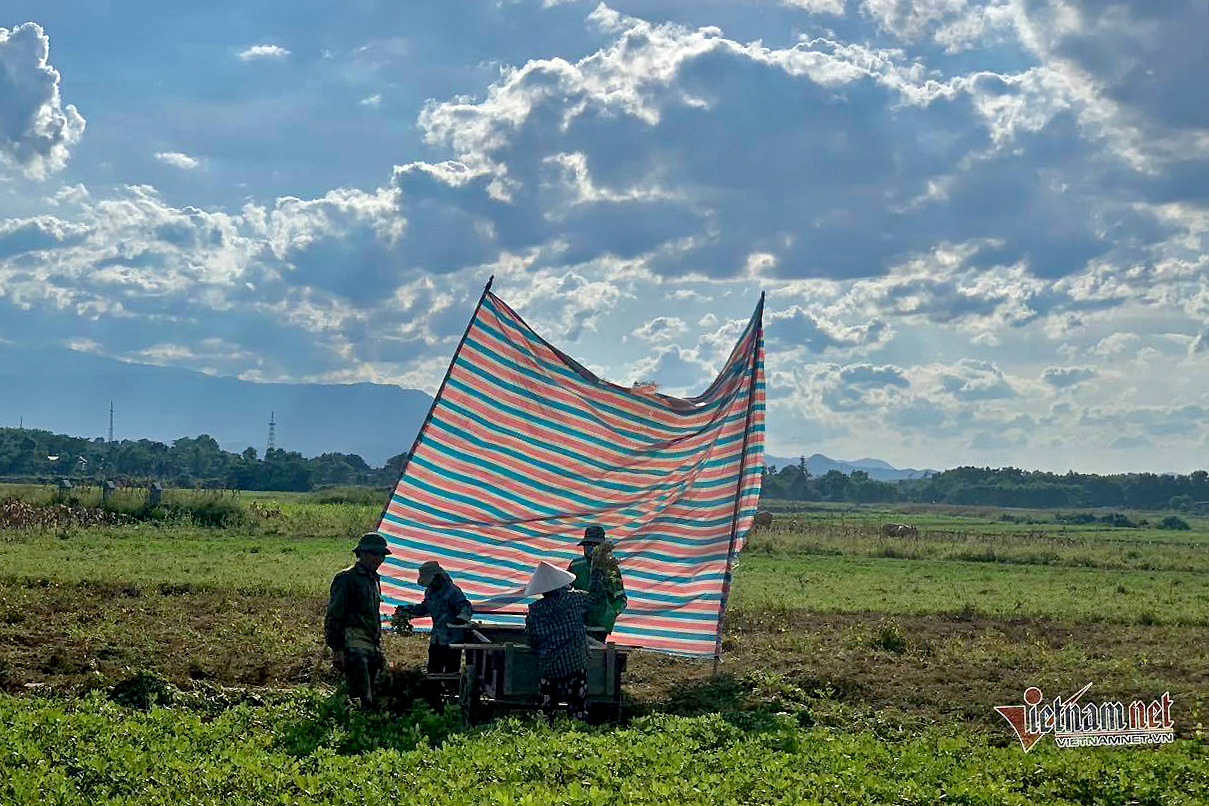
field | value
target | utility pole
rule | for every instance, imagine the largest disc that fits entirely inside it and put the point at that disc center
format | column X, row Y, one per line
column 111, row 421
column 272, row 433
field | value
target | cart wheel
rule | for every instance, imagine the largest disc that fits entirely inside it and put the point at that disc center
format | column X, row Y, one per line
column 470, row 693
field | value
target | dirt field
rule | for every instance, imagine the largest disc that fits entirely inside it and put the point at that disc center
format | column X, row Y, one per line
column 822, row 609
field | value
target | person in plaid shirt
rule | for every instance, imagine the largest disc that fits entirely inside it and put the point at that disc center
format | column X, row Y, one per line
column 556, row 632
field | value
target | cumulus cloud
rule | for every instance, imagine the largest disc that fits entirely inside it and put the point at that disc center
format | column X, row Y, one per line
column 20, row 236
column 868, row 375
column 834, row 7
column 1066, row 377
column 263, row 52
column 178, row 160
column 1036, row 202
column 36, row 130
column 909, row 19
column 673, row 369
column 854, row 387
column 998, row 440
column 859, row 151
column 1157, row 421
column 798, row 328
column 976, row 380
column 1116, row 344
column 67, row 195
column 661, row 328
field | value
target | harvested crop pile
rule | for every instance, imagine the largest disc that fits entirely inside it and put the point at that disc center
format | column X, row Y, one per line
column 18, row 514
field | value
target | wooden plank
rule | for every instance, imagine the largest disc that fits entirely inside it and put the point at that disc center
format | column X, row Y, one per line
column 509, row 667
column 611, row 681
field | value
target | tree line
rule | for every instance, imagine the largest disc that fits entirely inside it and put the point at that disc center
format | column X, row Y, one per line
column 1001, row 487
column 34, row 455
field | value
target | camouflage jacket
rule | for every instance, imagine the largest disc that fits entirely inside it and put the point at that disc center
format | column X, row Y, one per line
column 353, row 619
column 606, row 588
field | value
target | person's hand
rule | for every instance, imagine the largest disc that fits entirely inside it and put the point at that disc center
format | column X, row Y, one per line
column 400, row 621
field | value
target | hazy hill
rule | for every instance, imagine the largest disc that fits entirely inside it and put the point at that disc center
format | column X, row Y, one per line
column 818, row 464
column 68, row 392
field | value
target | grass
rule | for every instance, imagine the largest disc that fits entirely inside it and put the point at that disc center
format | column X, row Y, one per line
column 882, row 653
column 858, row 584
column 146, row 556
column 298, row 751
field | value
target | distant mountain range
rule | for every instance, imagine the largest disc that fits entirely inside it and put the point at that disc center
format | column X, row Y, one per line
column 818, row 464
column 68, row 392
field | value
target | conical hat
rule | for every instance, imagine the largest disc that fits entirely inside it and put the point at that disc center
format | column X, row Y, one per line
column 546, row 578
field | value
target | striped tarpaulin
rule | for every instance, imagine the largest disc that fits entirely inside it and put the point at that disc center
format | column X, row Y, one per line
column 524, row 448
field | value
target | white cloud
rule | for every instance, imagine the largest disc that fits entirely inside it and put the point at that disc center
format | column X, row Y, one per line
column 178, row 160
column 673, row 369
column 907, row 209
column 973, row 380
column 68, row 195
column 36, row 130
column 661, row 328
column 835, row 7
column 798, row 328
column 1066, row 377
column 263, row 52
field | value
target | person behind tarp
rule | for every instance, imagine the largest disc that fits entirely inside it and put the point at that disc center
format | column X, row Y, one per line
column 448, row 607
column 597, row 572
column 555, row 624
column 353, row 628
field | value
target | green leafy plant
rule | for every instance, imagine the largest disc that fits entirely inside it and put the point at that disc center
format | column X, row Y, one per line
column 890, row 637
column 142, row 690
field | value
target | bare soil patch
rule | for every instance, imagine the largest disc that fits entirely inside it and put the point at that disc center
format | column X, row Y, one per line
column 953, row 667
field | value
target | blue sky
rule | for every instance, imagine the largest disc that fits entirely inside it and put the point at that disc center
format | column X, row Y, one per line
column 981, row 226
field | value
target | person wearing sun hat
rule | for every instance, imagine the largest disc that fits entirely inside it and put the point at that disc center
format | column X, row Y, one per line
column 598, row 573
column 555, row 624
column 449, row 608
column 353, row 626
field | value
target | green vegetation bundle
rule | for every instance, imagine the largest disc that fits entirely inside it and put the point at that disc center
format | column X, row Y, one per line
column 400, row 622
column 603, row 559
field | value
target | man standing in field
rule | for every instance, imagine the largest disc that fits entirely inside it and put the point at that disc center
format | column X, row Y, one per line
column 597, row 572
column 353, row 627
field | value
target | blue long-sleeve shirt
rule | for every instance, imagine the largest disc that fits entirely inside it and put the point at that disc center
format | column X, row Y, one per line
column 444, row 602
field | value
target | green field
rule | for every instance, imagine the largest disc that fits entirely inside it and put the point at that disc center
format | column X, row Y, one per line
column 856, row 668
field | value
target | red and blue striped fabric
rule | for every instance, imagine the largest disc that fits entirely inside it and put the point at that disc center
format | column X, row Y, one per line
column 524, row 448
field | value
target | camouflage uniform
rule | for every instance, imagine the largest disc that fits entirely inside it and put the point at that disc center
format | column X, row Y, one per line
column 607, row 589
column 353, row 626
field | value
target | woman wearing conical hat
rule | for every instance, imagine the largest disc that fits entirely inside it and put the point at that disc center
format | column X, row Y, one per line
column 556, row 631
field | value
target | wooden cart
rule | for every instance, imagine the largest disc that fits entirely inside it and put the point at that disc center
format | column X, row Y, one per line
column 501, row 667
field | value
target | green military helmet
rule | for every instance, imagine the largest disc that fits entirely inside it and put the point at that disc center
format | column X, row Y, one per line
column 373, row 543
column 593, row 535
